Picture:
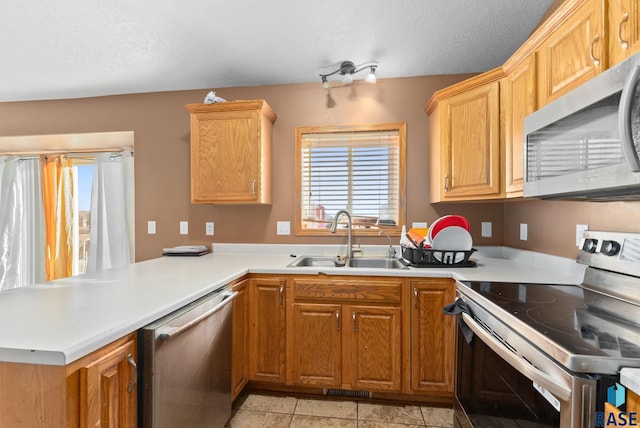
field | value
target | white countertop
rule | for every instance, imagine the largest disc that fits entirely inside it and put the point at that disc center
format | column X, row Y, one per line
column 61, row 321
column 630, row 378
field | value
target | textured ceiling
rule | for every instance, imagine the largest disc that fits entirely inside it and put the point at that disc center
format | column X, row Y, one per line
column 72, row 48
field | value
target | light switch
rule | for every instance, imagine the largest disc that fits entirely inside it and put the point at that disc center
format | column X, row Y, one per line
column 184, row 228
column 523, row 231
column 486, row 229
column 283, row 228
column 151, row 227
column 419, row 225
column 580, row 228
column 209, row 228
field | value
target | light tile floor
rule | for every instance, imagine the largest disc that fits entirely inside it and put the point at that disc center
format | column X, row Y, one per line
column 265, row 411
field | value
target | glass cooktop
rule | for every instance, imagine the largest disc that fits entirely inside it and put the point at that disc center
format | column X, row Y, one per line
column 565, row 314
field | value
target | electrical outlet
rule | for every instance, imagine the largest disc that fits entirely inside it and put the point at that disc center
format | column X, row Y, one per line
column 209, row 228
column 151, row 227
column 580, row 228
column 283, row 228
column 523, row 231
column 184, row 228
column 486, row 229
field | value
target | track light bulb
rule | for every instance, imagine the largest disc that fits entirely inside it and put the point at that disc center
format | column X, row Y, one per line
column 371, row 77
column 347, row 79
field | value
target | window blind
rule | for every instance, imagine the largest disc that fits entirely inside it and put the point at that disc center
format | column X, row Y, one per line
column 358, row 172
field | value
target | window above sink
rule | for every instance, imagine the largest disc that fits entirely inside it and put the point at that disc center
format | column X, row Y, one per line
column 358, row 168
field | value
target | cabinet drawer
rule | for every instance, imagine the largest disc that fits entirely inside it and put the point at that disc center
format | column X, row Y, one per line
column 362, row 290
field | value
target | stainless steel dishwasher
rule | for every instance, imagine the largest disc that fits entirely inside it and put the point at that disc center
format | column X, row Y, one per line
column 187, row 365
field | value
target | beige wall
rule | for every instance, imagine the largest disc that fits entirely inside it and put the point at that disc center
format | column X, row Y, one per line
column 161, row 127
column 552, row 224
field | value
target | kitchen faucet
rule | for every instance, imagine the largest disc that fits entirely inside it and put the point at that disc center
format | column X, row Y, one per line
column 335, row 225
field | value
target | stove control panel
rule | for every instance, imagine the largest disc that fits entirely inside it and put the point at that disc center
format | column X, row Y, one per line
column 609, row 248
column 614, row 251
column 589, row 245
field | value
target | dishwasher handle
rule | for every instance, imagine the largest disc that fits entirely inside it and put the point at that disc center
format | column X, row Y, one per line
column 226, row 299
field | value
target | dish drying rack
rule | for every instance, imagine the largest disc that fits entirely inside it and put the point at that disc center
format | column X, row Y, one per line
column 428, row 257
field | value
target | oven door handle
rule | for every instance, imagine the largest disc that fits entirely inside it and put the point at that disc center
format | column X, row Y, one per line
column 532, row 373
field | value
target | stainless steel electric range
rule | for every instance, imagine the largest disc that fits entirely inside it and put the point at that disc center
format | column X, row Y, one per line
column 547, row 355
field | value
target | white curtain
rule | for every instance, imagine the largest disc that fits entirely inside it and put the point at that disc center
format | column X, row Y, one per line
column 111, row 241
column 21, row 223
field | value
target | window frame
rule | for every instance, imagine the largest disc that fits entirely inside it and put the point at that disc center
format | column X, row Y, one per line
column 400, row 128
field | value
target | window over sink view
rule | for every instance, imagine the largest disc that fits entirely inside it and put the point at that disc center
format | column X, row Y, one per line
column 360, row 169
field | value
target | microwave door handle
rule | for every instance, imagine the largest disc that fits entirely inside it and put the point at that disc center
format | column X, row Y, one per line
column 624, row 119
column 553, row 386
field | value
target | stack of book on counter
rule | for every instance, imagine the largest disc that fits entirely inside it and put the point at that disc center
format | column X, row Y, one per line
column 186, row 250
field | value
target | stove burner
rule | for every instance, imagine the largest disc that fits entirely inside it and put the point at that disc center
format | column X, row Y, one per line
column 525, row 293
column 557, row 319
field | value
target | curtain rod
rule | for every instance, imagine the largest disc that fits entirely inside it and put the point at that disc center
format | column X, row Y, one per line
column 70, row 153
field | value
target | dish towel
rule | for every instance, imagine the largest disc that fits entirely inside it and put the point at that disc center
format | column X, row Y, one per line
column 457, row 308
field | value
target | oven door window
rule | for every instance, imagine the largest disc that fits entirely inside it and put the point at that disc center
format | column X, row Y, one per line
column 494, row 394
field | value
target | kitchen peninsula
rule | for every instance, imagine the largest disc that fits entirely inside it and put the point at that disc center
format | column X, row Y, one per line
column 57, row 326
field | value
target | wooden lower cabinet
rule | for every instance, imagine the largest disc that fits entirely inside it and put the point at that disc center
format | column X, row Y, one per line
column 317, row 344
column 267, row 329
column 240, row 338
column 374, row 345
column 432, row 336
column 99, row 390
column 345, row 333
column 108, row 388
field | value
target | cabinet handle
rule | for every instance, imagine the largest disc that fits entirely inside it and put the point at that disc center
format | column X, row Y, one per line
column 595, row 60
column 415, row 297
column 253, row 186
column 353, row 321
column 338, row 320
column 446, row 182
column 282, row 294
column 623, row 42
column 132, row 363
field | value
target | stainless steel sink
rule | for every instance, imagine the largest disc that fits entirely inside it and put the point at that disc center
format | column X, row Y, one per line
column 356, row 262
column 318, row 261
column 376, row 262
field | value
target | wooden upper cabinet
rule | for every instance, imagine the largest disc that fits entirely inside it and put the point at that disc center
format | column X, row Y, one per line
column 465, row 140
column 519, row 98
column 231, row 152
column 623, row 22
column 574, row 52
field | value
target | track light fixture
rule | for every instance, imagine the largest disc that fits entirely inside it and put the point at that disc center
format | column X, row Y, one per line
column 347, row 70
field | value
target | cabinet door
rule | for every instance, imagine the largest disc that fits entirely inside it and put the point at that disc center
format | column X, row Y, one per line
column 224, row 156
column 317, row 344
column 519, row 101
column 240, row 338
column 470, row 149
column 623, row 21
column 432, row 336
column 374, row 349
column 574, row 53
column 108, row 389
column 267, row 313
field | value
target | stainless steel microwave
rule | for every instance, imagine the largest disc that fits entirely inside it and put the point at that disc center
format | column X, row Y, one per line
column 586, row 144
